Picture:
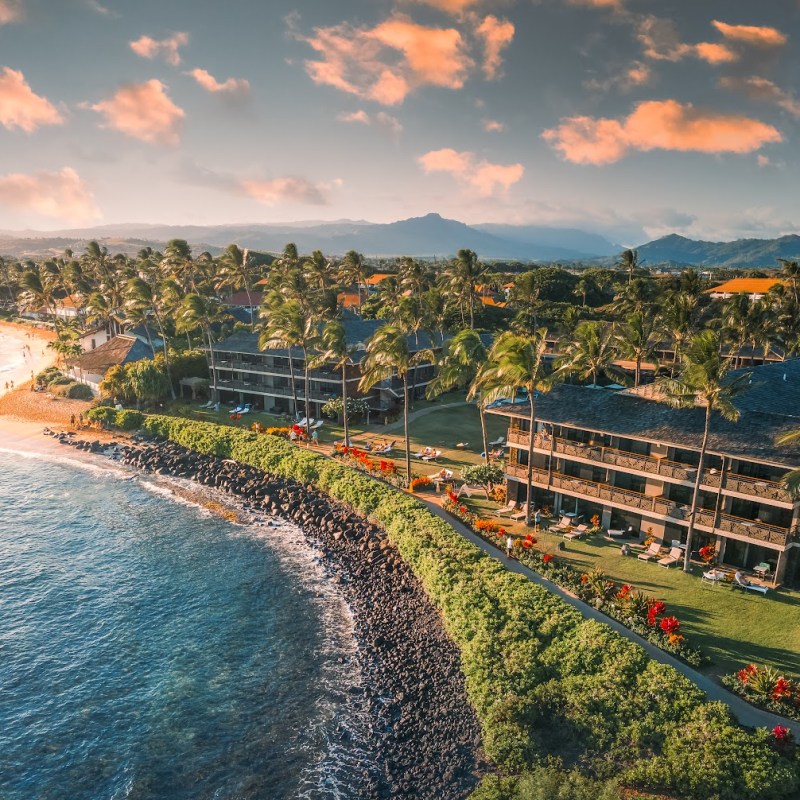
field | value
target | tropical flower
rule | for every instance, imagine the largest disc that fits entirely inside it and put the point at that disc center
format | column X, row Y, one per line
column 781, row 689
column 547, row 558
column 670, row 625
column 781, row 734
column 745, row 674
column 584, row 578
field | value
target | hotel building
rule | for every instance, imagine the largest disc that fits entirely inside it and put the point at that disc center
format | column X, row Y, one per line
column 632, row 460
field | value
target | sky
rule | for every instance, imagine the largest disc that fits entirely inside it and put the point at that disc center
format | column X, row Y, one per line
column 631, row 118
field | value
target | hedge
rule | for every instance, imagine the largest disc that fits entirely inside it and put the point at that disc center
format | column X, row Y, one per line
column 545, row 682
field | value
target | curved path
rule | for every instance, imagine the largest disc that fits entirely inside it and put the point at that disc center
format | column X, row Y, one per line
column 746, row 714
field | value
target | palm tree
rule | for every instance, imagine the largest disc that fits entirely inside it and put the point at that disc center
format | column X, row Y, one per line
column 388, row 355
column 335, row 350
column 790, row 272
column 678, row 320
column 236, row 272
column 525, row 294
column 637, row 340
column 281, row 329
column 318, row 270
column 704, row 381
column 197, row 311
column 582, row 288
column 735, row 318
column 629, row 261
column 791, row 480
column 353, row 270
column 462, row 364
column 461, row 277
column 517, row 361
column 590, row 353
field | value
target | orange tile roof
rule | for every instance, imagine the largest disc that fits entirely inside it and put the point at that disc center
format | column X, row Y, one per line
column 375, row 279
column 348, row 299
column 490, row 301
column 745, row 285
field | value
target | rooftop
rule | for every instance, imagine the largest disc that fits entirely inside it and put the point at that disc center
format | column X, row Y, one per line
column 769, row 407
column 121, row 349
column 745, row 286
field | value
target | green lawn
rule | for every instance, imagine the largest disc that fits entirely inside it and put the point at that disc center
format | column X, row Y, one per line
column 732, row 627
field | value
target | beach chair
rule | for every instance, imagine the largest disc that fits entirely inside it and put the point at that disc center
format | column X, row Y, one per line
column 467, row 490
column 247, row 408
column 498, row 442
column 753, row 587
column 432, row 456
column 675, row 557
column 507, row 509
column 576, row 532
column 651, row 552
column 518, row 515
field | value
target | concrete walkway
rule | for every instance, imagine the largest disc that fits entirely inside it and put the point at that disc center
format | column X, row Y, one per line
column 746, row 714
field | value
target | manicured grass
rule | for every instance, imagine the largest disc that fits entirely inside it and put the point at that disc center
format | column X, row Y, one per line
column 733, row 627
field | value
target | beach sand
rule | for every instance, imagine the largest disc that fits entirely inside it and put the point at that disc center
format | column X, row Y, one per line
column 17, row 362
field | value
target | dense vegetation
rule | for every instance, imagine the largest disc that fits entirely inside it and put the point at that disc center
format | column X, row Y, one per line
column 546, row 683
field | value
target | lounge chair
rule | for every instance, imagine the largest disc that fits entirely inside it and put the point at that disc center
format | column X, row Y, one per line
column 424, row 452
column 498, row 442
column 432, row 456
column 615, row 533
column 753, row 587
column 675, row 557
column 518, row 515
column 317, row 425
column 248, row 407
column 576, row 532
column 507, row 509
column 468, row 490
column 651, row 552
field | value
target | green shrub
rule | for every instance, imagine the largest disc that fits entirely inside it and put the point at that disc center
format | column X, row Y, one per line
column 127, row 420
column 60, row 380
column 544, row 681
column 47, row 374
column 105, row 415
column 72, row 390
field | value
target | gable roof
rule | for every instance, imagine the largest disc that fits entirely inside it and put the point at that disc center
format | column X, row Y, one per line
column 241, row 299
column 121, row 349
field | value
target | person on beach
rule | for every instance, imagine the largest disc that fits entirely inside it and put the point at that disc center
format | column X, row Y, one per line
column 72, row 421
column 80, row 420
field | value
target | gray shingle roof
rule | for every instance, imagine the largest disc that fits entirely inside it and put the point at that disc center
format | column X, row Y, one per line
column 119, row 350
column 770, row 406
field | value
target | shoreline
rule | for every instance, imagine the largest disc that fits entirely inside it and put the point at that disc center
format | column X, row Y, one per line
column 424, row 733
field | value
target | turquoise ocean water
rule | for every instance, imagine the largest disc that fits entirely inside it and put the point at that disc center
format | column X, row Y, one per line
column 150, row 650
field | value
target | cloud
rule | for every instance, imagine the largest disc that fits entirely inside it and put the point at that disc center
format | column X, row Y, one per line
column 20, row 107
column 762, row 160
column 616, row 5
column 143, row 111
column 496, row 35
column 483, row 176
column 715, row 53
column 354, row 116
column 660, row 39
column 10, row 11
column 387, row 62
column 762, row 89
column 387, row 122
column 493, row 126
column 450, row 6
column 147, row 47
column 288, row 189
column 232, row 86
column 99, row 8
column 62, row 195
column 754, row 35
column 658, row 125
column 637, row 74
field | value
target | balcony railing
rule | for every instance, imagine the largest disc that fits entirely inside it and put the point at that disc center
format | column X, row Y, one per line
column 756, row 487
column 279, row 391
column 751, row 529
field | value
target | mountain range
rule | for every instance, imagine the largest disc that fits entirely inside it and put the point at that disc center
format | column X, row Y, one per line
column 429, row 236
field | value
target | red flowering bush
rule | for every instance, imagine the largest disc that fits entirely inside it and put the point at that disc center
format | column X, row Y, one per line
column 745, row 674
column 669, row 625
column 547, row 558
column 584, row 578
column 421, row 482
column 782, row 688
column 707, row 553
column 781, row 734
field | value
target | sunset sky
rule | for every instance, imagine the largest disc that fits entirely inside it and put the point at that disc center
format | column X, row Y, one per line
column 632, row 118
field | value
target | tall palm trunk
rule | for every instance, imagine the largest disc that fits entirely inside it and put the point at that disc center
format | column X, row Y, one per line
column 696, row 494
column 307, row 394
column 530, row 459
column 405, row 428
column 166, row 351
column 345, row 420
column 213, row 363
column 294, row 385
column 482, row 412
column 638, row 372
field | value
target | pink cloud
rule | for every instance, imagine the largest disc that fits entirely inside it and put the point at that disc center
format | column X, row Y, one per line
column 757, row 88
column 613, row 4
column 360, row 116
column 237, row 86
column 637, row 74
column 660, row 39
column 450, row 6
column 496, row 35
column 658, row 125
column 762, row 161
column 715, row 53
column 483, row 176
column 10, row 11
column 287, row 189
column 143, row 111
column 493, row 126
column 20, row 107
column 147, row 47
column 388, row 61
column 751, row 34
column 62, row 195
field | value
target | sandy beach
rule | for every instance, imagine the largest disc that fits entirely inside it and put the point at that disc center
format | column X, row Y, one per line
column 23, row 352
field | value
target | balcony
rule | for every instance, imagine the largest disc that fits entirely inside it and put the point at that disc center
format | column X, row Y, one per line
column 275, row 391
column 748, row 529
column 754, row 487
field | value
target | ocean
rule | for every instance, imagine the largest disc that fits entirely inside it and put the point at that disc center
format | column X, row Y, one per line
column 149, row 649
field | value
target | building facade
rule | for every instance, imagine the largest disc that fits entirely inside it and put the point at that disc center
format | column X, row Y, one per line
column 243, row 373
column 633, row 461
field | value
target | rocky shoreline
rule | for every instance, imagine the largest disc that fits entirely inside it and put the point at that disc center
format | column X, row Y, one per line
column 426, row 739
